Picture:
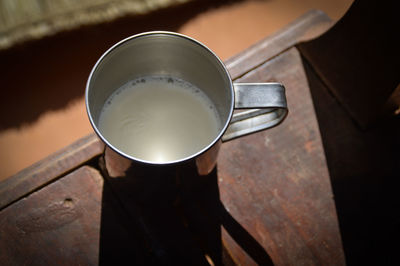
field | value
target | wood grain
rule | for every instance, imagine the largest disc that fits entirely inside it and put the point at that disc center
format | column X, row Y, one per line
column 59, row 224
column 49, row 169
column 276, row 184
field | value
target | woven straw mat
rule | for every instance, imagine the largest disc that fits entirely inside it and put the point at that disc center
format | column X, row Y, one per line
column 22, row 20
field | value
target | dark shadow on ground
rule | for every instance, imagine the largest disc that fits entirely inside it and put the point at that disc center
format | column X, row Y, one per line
column 165, row 216
column 364, row 166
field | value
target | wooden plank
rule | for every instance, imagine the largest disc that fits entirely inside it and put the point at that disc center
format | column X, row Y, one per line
column 73, row 221
column 306, row 27
column 57, row 225
column 276, row 183
column 49, row 169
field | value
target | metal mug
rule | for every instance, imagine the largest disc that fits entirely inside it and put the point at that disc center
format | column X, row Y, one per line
column 177, row 55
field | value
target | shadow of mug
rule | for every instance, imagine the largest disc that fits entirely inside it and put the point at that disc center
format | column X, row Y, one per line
column 166, row 216
column 170, row 213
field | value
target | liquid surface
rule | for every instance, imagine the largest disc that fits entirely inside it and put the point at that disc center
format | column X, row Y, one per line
column 159, row 119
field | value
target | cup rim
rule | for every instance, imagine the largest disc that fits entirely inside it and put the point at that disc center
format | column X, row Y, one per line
column 144, row 34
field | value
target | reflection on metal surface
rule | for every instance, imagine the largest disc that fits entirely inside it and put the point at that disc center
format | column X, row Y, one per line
column 268, row 96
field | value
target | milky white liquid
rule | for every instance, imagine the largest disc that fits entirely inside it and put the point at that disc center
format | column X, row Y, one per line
column 159, row 119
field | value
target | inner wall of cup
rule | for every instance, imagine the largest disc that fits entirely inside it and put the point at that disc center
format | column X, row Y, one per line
column 161, row 54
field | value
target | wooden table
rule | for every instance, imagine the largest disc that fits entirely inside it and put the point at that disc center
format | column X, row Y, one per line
column 268, row 200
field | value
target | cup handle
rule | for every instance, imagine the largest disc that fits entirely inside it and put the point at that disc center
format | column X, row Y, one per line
column 270, row 101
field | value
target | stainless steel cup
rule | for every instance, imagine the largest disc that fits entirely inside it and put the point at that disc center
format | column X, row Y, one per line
column 168, row 53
